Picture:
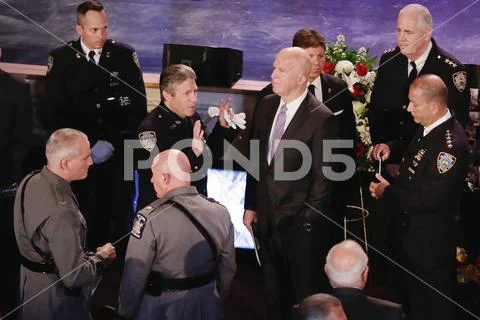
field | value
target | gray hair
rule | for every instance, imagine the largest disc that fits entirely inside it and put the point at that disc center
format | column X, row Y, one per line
column 318, row 306
column 357, row 261
column 61, row 144
column 174, row 75
column 425, row 21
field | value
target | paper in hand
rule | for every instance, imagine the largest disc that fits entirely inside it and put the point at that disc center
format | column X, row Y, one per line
column 256, row 246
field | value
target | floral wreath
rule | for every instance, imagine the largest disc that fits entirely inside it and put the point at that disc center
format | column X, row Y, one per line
column 355, row 67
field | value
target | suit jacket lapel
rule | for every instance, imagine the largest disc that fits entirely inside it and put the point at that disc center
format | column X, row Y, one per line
column 325, row 93
column 270, row 116
column 299, row 117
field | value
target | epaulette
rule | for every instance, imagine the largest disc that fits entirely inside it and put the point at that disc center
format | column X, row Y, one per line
column 389, row 50
column 146, row 211
column 141, row 219
column 212, row 200
column 448, row 139
column 447, row 61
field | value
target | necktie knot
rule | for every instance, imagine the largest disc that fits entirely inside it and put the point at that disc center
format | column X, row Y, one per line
column 311, row 88
column 91, row 56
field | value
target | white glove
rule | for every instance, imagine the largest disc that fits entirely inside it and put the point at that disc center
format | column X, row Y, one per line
column 238, row 119
column 101, row 151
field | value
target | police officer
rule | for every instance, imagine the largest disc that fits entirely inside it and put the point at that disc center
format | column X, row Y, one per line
column 417, row 53
column 57, row 274
column 16, row 124
column 180, row 257
column 95, row 85
column 424, row 201
column 175, row 120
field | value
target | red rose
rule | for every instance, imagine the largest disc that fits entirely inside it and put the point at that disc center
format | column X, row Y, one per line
column 361, row 69
column 328, row 67
column 357, row 91
column 360, row 150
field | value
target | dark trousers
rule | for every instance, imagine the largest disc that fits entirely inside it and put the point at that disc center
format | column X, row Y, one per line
column 11, row 258
column 425, row 297
column 293, row 261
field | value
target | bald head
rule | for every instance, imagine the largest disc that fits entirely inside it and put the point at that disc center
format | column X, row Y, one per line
column 299, row 56
column 170, row 170
column 347, row 265
column 431, row 88
column 290, row 73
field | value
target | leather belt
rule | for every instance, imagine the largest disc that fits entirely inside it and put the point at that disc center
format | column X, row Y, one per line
column 40, row 267
column 157, row 283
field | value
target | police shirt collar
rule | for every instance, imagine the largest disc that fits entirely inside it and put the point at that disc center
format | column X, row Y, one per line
column 180, row 191
column 421, row 60
column 85, row 49
column 442, row 119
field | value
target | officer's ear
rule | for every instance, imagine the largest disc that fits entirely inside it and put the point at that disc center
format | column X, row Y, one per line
column 63, row 164
column 167, row 95
column 79, row 29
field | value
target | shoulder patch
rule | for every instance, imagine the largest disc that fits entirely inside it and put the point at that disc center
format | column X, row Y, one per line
column 460, row 80
column 148, row 139
column 138, row 226
column 445, row 162
column 135, row 59
column 50, row 63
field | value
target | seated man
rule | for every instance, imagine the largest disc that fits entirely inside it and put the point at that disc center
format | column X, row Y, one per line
column 347, row 270
column 321, row 306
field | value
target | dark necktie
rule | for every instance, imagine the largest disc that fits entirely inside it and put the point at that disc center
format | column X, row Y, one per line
column 278, row 130
column 311, row 88
column 413, row 74
column 91, row 56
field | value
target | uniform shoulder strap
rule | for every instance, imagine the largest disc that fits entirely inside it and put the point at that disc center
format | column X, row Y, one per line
column 199, row 226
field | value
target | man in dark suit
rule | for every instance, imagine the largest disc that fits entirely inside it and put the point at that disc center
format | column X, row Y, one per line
column 417, row 53
column 330, row 90
column 16, row 125
column 95, row 85
column 424, row 200
column 347, row 271
column 334, row 93
column 289, row 199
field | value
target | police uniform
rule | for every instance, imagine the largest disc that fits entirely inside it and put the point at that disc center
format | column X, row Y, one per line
column 388, row 115
column 163, row 128
column 106, row 102
column 51, row 232
column 424, row 202
column 164, row 243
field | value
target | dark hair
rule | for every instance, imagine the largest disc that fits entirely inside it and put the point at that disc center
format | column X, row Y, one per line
column 86, row 6
column 308, row 38
column 318, row 306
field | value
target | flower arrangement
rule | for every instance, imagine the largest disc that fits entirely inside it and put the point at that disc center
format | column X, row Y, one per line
column 355, row 67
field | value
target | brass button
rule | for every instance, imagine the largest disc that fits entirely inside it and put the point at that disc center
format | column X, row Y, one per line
column 98, row 105
column 404, row 107
column 401, row 123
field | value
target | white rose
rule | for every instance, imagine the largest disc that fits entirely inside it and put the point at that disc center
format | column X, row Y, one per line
column 344, row 66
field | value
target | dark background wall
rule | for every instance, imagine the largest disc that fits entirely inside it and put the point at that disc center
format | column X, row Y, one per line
column 29, row 29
